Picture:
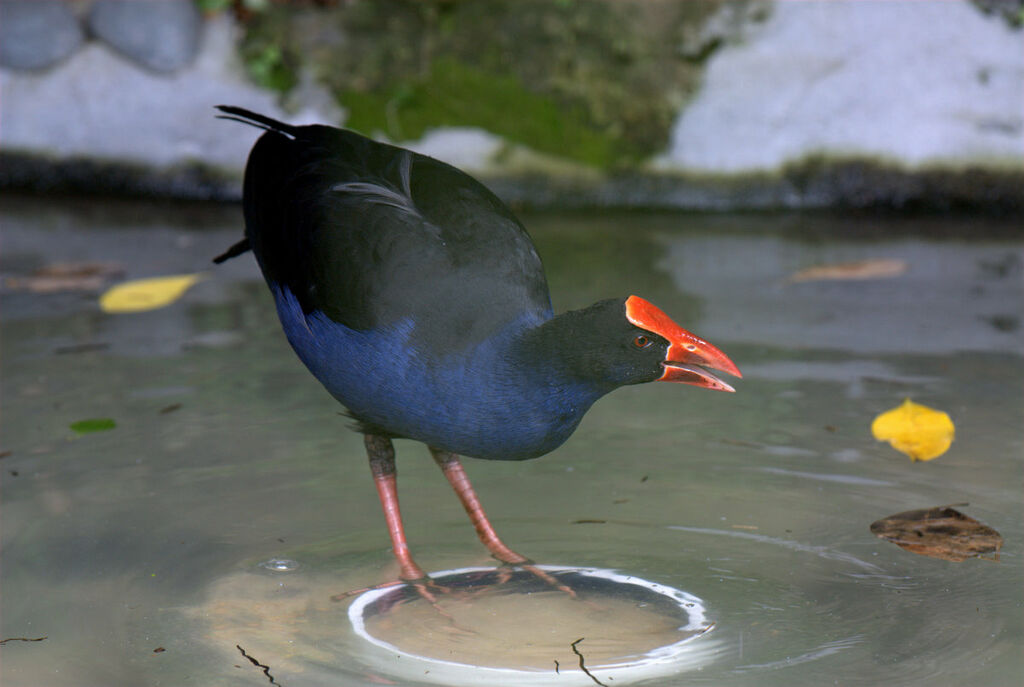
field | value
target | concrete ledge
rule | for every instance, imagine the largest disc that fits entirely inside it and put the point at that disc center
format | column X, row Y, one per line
column 808, row 185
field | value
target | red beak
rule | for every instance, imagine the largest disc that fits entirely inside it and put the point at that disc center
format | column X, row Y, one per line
column 687, row 354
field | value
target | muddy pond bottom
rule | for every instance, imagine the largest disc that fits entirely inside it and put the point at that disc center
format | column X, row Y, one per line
column 548, row 625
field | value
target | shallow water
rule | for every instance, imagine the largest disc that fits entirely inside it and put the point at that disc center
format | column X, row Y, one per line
column 137, row 552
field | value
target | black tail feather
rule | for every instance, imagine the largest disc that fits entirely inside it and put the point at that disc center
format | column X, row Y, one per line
column 240, row 114
column 233, row 251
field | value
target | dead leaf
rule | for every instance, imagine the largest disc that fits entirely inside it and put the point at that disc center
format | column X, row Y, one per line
column 146, row 294
column 66, row 276
column 940, row 532
column 921, row 432
column 876, row 268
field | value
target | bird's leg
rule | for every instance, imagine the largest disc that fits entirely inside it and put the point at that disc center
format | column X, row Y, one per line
column 452, row 468
column 381, row 453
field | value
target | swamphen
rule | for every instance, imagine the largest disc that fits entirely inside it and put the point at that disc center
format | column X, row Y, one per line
column 419, row 301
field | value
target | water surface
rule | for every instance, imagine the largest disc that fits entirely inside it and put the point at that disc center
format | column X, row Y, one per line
column 137, row 552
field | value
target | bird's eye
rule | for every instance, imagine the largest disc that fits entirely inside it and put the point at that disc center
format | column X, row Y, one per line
column 641, row 341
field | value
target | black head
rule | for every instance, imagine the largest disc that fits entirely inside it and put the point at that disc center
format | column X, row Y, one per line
column 602, row 345
column 628, row 341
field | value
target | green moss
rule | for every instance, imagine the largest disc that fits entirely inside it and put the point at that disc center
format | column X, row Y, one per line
column 268, row 55
column 597, row 82
column 457, row 94
column 213, row 5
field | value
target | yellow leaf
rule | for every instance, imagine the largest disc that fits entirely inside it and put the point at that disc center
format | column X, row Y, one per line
column 920, row 432
column 146, row 294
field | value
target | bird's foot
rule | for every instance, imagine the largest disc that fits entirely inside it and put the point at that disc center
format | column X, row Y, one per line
column 506, row 568
column 424, row 587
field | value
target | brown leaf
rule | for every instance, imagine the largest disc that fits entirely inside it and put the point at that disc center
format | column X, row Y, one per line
column 66, row 276
column 876, row 268
column 940, row 532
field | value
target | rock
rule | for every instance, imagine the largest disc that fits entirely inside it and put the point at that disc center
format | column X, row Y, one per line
column 465, row 147
column 912, row 106
column 161, row 35
column 732, row 23
column 35, row 34
column 101, row 108
column 1010, row 10
column 910, row 83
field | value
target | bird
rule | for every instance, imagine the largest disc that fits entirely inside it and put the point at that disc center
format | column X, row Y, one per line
column 419, row 301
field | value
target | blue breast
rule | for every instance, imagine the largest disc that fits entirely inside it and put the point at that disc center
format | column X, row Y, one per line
column 486, row 402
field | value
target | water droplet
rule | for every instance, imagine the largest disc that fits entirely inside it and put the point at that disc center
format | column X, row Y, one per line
column 280, row 565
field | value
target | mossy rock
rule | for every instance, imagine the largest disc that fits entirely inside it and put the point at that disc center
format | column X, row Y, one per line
column 598, row 82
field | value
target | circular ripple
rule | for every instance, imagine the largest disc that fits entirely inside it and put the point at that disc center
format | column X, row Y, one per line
column 280, row 565
column 512, row 626
column 795, row 609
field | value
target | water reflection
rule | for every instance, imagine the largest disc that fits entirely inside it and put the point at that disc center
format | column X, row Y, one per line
column 951, row 298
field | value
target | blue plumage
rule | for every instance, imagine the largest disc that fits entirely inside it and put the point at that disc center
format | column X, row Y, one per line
column 485, row 402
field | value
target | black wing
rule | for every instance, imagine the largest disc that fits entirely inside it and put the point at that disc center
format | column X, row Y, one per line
column 372, row 234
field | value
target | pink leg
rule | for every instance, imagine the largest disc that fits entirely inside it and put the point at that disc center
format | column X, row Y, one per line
column 452, row 469
column 382, row 465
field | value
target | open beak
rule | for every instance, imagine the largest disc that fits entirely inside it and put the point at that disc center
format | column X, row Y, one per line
column 686, row 361
column 687, row 354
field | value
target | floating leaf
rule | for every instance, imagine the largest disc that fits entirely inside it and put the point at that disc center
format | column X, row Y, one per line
column 96, row 424
column 66, row 276
column 940, row 532
column 146, row 294
column 877, row 268
column 922, row 433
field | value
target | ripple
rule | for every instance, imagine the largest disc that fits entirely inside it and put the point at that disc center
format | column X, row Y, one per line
column 820, row 551
column 280, row 565
column 785, row 612
column 808, row 613
column 841, row 479
column 513, row 627
column 826, row 649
